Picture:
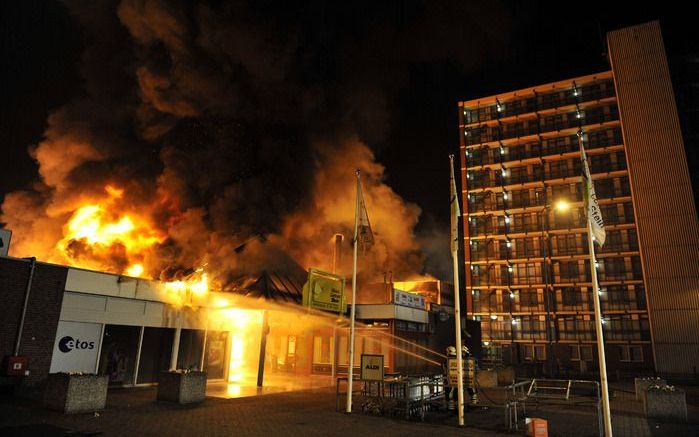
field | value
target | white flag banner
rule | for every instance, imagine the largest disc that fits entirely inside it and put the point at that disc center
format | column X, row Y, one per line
column 455, row 211
column 594, row 214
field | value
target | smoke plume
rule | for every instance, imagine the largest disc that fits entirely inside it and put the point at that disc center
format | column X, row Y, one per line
column 227, row 135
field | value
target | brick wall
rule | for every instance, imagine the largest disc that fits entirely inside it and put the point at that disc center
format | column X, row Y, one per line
column 43, row 311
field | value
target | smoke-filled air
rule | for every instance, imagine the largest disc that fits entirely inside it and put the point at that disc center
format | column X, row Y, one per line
column 202, row 140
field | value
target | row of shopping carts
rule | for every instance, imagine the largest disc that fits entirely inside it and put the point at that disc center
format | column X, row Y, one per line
column 407, row 396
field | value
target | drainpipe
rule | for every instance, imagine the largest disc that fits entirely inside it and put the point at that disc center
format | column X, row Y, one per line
column 24, row 307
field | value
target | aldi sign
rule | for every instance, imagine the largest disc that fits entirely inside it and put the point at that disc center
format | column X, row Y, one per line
column 372, row 368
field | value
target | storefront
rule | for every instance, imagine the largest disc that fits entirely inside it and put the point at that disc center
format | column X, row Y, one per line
column 122, row 327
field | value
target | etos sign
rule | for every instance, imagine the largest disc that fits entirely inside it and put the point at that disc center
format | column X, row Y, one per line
column 76, row 347
column 68, row 343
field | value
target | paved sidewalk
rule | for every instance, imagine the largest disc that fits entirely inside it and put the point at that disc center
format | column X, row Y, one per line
column 134, row 412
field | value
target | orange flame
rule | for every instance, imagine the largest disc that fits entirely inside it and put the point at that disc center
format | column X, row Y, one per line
column 104, row 230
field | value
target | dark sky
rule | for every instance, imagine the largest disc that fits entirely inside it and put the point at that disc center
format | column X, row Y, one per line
column 500, row 48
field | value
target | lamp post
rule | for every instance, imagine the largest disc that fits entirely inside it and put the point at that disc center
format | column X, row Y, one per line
column 561, row 205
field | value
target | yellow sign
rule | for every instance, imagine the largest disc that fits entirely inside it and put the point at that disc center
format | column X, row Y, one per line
column 325, row 291
column 372, row 368
column 469, row 369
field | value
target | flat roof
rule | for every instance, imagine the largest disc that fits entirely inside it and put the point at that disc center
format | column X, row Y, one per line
column 489, row 100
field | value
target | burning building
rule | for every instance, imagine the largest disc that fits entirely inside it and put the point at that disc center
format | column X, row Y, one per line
column 166, row 170
column 67, row 319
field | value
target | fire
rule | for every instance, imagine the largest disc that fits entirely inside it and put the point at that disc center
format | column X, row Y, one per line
column 245, row 325
column 182, row 292
column 101, row 235
column 135, row 270
column 235, row 370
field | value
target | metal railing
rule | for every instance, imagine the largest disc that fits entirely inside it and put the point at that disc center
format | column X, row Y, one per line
column 566, row 391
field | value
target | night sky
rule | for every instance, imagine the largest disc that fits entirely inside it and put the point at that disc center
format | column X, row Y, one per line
column 420, row 58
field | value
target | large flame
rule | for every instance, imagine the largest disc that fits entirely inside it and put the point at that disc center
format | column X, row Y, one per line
column 101, row 235
column 184, row 291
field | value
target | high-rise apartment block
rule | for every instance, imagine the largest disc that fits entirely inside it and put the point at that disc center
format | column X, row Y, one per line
column 528, row 277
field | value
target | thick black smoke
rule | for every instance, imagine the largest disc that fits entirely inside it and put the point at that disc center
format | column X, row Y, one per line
column 218, row 118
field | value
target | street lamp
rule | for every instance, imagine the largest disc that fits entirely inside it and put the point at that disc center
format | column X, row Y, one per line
column 561, row 205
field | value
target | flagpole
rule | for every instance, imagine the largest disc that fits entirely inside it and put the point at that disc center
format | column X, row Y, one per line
column 457, row 305
column 598, row 312
column 350, row 364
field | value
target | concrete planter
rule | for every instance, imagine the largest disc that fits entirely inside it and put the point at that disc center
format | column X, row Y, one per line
column 642, row 385
column 665, row 404
column 76, row 393
column 181, row 387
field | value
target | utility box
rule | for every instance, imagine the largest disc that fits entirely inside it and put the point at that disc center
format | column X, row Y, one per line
column 17, row 366
column 537, row 427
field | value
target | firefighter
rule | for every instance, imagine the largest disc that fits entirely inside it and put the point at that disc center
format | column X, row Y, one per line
column 469, row 388
column 450, row 391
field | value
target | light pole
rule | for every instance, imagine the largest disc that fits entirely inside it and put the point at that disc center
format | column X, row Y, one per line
column 561, row 205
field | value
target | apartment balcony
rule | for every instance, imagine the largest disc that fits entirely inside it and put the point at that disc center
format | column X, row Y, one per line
column 538, row 103
column 548, row 147
column 486, row 134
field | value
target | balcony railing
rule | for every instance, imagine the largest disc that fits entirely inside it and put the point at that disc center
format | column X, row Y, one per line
column 630, row 246
column 540, row 102
column 518, row 228
column 485, row 134
column 607, row 167
column 554, row 146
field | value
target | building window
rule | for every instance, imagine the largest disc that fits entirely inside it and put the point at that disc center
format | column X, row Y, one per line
column 570, row 297
column 581, row 353
column 534, row 352
column 610, row 213
column 569, row 271
column 628, row 213
column 566, row 244
column 633, row 354
column 528, row 299
column 614, row 241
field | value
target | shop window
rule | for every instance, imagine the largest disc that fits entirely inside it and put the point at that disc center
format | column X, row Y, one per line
column 156, row 351
column 215, row 357
column 118, row 357
column 322, row 350
column 190, row 350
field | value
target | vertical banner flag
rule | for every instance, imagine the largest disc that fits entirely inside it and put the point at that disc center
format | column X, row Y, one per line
column 455, row 211
column 594, row 214
column 365, row 236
